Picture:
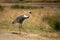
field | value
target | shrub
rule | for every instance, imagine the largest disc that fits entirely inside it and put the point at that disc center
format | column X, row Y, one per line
column 53, row 21
column 15, row 6
column 23, row 7
column 1, row 8
column 57, row 25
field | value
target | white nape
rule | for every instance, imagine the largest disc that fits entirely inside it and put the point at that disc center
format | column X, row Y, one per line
column 25, row 16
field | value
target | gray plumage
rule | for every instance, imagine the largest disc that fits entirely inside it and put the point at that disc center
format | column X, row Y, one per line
column 19, row 19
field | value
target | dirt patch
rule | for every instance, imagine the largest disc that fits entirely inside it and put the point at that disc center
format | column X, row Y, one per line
column 10, row 36
column 23, row 36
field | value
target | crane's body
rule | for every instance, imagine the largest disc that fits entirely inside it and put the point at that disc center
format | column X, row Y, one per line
column 20, row 19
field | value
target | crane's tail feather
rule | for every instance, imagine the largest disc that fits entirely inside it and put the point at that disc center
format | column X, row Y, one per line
column 13, row 22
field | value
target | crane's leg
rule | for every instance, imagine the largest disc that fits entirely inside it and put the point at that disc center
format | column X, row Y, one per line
column 20, row 28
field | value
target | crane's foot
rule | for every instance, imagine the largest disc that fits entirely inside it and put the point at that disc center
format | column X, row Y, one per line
column 19, row 32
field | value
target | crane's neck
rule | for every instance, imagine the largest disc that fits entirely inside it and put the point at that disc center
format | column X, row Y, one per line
column 28, row 14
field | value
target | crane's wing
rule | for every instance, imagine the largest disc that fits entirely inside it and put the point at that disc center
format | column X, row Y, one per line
column 20, row 19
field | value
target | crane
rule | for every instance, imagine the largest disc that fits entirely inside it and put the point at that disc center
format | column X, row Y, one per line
column 20, row 19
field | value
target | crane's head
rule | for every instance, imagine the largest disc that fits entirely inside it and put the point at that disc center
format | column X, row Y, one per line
column 29, row 12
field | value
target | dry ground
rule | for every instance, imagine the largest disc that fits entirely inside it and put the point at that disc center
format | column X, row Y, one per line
column 10, row 36
column 25, row 36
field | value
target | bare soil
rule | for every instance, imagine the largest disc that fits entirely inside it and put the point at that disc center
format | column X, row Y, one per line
column 10, row 36
column 23, row 36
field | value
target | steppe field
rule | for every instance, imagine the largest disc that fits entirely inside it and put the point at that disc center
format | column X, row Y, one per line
column 43, row 23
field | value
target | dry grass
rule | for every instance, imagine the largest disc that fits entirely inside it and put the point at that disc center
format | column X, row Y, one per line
column 34, row 24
